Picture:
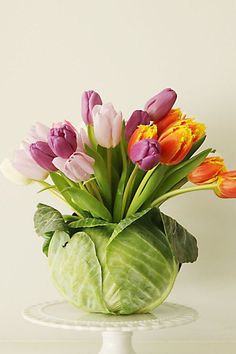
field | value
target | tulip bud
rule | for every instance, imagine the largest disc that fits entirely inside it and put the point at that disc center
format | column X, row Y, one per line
column 172, row 117
column 24, row 163
column 208, row 171
column 141, row 133
column 159, row 105
column 146, row 153
column 226, row 185
column 43, row 155
column 107, row 125
column 137, row 118
column 88, row 101
column 62, row 139
column 78, row 167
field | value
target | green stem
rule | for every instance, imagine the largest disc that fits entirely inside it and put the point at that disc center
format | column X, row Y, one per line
column 82, row 186
column 92, row 136
column 109, row 164
column 95, row 190
column 128, row 189
column 146, row 177
column 46, row 185
column 174, row 193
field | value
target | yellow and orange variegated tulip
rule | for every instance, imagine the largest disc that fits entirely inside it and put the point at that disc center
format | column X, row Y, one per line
column 177, row 140
column 198, row 129
column 226, row 185
column 175, row 143
column 172, row 117
column 141, row 133
column 208, row 171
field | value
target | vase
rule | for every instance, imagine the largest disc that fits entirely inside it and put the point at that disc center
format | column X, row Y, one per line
column 130, row 271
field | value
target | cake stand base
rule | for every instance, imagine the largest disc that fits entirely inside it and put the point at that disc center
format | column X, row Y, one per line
column 117, row 343
column 116, row 330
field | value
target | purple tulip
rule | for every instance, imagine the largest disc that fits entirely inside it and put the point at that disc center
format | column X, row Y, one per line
column 159, row 105
column 137, row 118
column 62, row 139
column 43, row 155
column 88, row 101
column 146, row 153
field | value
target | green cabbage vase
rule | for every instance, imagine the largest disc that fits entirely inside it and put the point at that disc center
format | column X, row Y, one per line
column 122, row 268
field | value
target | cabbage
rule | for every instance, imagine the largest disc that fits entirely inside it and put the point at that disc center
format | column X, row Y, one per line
column 122, row 268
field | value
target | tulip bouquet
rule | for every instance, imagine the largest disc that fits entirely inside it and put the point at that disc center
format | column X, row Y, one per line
column 116, row 252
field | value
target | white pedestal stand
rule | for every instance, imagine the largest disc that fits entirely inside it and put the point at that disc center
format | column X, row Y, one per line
column 116, row 330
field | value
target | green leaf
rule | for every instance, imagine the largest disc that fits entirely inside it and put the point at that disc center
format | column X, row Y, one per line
column 62, row 185
column 101, row 174
column 183, row 243
column 46, row 188
column 180, row 171
column 46, row 244
column 88, row 202
column 70, row 218
column 47, row 220
column 151, row 187
column 88, row 222
column 127, row 222
column 195, row 147
column 76, row 271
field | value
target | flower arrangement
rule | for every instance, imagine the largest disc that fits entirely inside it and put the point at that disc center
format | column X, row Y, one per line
column 118, row 253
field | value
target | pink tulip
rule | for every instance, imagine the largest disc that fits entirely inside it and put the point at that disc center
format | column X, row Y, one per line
column 24, row 163
column 82, row 140
column 107, row 125
column 12, row 174
column 38, row 132
column 78, row 167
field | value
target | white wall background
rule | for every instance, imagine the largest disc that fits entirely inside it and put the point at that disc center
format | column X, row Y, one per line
column 52, row 50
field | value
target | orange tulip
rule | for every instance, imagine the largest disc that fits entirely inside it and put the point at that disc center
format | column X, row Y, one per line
column 143, row 132
column 173, row 116
column 175, row 143
column 208, row 171
column 226, row 185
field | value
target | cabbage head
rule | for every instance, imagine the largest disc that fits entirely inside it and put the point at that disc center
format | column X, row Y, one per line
column 122, row 268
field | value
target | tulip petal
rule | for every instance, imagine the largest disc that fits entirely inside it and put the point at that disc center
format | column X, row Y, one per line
column 12, row 174
column 26, row 165
column 116, row 129
column 38, row 132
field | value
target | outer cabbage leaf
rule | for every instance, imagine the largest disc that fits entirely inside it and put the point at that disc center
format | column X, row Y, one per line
column 141, row 263
column 76, row 271
column 183, row 243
